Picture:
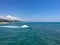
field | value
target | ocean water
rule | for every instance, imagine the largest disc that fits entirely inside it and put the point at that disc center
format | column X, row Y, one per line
column 38, row 33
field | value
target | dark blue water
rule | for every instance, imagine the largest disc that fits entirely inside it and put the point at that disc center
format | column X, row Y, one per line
column 38, row 33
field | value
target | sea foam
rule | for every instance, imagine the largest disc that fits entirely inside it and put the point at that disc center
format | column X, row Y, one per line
column 10, row 26
column 23, row 26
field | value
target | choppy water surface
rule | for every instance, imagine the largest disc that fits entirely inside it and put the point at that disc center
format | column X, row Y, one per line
column 38, row 33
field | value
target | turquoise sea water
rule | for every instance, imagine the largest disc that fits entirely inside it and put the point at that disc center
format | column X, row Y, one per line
column 38, row 33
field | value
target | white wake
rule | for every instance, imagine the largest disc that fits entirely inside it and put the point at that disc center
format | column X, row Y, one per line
column 23, row 26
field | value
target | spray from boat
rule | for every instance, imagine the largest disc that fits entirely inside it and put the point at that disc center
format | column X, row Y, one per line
column 23, row 26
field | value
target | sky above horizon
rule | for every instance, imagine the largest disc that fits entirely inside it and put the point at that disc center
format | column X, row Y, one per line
column 33, row 10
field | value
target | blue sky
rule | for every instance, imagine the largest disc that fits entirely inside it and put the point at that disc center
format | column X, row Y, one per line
column 33, row 10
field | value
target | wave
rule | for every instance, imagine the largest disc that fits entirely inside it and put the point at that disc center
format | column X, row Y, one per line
column 10, row 26
column 23, row 26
